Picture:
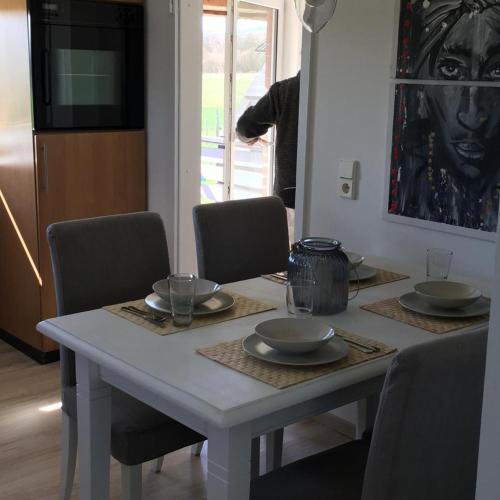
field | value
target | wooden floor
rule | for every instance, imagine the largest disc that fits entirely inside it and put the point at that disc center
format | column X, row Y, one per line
column 30, row 440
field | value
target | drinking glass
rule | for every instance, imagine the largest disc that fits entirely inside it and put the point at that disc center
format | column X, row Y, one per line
column 182, row 289
column 438, row 263
column 300, row 298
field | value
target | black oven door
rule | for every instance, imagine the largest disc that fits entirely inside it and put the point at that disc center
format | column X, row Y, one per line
column 87, row 77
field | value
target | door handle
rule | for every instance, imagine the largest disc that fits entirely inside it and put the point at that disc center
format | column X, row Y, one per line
column 44, row 170
column 46, row 79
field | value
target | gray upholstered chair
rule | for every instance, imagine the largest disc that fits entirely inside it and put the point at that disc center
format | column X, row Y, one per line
column 425, row 440
column 241, row 239
column 238, row 240
column 97, row 262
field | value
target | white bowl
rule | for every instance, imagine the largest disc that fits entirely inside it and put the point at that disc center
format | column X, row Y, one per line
column 294, row 335
column 355, row 260
column 447, row 294
column 204, row 290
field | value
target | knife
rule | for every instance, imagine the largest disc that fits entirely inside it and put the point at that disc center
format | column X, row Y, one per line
column 357, row 345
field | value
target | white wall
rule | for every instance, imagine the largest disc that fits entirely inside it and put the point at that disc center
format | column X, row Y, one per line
column 160, row 71
column 351, row 102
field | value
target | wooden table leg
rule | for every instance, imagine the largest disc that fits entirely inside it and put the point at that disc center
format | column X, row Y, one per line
column 229, row 457
column 94, row 430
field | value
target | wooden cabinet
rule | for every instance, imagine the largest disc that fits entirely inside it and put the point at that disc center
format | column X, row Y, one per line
column 71, row 176
column 81, row 175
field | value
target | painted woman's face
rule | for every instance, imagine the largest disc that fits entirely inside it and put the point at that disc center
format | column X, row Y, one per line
column 467, row 119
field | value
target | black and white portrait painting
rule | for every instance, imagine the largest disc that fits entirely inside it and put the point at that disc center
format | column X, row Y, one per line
column 445, row 158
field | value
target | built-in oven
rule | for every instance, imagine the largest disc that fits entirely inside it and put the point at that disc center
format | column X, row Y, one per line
column 87, row 64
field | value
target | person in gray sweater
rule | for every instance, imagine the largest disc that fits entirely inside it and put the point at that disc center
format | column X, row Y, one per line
column 280, row 107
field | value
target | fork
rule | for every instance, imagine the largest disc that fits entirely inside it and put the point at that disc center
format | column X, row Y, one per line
column 157, row 320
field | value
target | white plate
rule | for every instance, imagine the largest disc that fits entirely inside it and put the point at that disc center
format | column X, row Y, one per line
column 413, row 302
column 219, row 302
column 333, row 351
column 364, row 273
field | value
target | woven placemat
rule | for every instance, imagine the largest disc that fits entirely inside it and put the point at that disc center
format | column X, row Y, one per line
column 390, row 308
column 232, row 355
column 381, row 278
column 243, row 306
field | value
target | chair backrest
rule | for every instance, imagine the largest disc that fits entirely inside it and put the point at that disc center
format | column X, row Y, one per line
column 241, row 239
column 426, row 436
column 103, row 261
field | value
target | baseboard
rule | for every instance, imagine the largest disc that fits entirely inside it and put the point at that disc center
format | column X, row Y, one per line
column 39, row 356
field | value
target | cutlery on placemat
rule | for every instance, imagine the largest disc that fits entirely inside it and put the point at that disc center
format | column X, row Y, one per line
column 152, row 318
column 279, row 276
column 367, row 349
column 155, row 314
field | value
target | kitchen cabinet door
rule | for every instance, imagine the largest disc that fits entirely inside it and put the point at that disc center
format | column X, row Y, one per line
column 19, row 283
column 82, row 175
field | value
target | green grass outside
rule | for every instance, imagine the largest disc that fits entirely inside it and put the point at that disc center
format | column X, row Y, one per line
column 212, row 121
column 212, row 118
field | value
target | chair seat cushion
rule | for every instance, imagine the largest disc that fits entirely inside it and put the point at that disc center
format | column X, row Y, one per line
column 335, row 474
column 138, row 432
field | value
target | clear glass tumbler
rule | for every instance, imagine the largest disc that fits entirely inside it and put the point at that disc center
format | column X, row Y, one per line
column 300, row 298
column 182, row 290
column 438, row 263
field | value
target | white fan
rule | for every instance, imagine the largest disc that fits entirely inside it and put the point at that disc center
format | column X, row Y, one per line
column 315, row 14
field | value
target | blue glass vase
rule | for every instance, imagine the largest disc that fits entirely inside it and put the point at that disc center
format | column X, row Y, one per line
column 322, row 260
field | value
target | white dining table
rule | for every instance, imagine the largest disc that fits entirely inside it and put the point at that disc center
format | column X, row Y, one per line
column 226, row 406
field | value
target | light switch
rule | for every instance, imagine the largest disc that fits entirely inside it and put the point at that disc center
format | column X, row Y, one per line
column 347, row 186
